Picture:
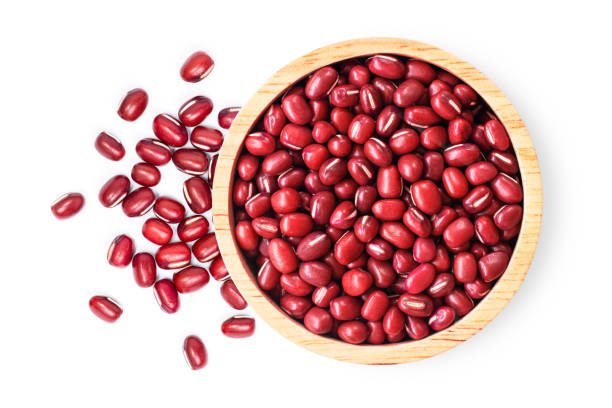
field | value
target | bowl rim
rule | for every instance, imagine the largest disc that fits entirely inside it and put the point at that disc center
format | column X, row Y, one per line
column 470, row 324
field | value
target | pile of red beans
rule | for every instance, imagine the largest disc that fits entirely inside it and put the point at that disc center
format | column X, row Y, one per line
column 378, row 199
column 171, row 135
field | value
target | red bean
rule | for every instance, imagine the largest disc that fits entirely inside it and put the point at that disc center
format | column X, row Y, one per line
column 313, row 246
column 433, row 165
column 370, row 99
column 197, row 194
column 378, row 152
column 421, row 71
column 344, row 215
column 354, row 332
column 464, row 267
column 206, row 139
column 296, row 224
column 109, row 147
column 478, row 199
column 438, row 85
column 153, row 151
column 322, row 205
column 366, row 228
column 443, row 284
column 294, row 285
column 230, row 293
column 345, row 308
column 424, row 250
column 408, row 93
column 195, row 110
column 493, row 265
column 508, row 216
column 227, row 115
column 386, row 66
column 321, row 83
column 166, row 295
column 113, row 191
column 455, row 183
column 296, row 109
column 364, row 198
column 397, row 234
column 169, row 130
column 195, row 352
column 447, row 105
column 348, row 248
column 426, row 196
column 197, row 67
column 441, row 318
column 388, row 121
column 433, row 138
column 105, row 308
column 205, row 249
column 217, row 269
column 477, row 289
column 314, row 155
column 404, row 141
column 361, row 128
column 389, row 182
column 190, row 161
column 380, row 249
column 146, row 174
column 459, row 131
column 421, row 116
column 485, row 230
column 71, row 203
column 318, row 320
column 507, row 189
column 416, row 328
column 466, row 95
column 173, row 256
column 420, row 278
column 145, row 270
column 332, row 171
column 138, row 202
column 157, row 231
column 169, row 210
column 282, row 256
column 238, row 327
column 393, row 321
column 459, row 301
column 192, row 228
column 458, row 232
column 344, row 96
column 504, row 161
column 295, row 306
column 390, row 209
column 133, row 105
column 190, row 279
column 496, row 135
column 120, row 251
column 355, row 282
column 461, row 155
column 415, row 305
column 480, row 173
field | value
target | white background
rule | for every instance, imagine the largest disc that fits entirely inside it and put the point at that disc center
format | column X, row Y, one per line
column 64, row 67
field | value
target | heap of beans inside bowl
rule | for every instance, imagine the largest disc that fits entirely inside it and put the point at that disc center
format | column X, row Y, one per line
column 378, row 200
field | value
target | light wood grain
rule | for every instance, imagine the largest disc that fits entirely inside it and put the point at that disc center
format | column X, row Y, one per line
column 408, row 351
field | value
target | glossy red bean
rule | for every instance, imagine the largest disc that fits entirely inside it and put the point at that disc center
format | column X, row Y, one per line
column 466, row 95
column 166, row 295
column 144, row 269
column 493, row 265
column 485, row 230
column 238, row 327
column 348, row 248
column 71, row 203
column 344, row 96
column 375, row 305
column 504, row 161
column 315, row 273
column 157, row 231
column 190, row 279
column 458, row 232
column 478, row 199
column 109, row 147
column 465, row 267
column 461, row 155
column 105, row 308
column 246, row 236
column 296, row 224
column 190, row 161
column 388, row 121
column 477, row 289
column 217, row 269
column 361, row 128
column 390, row 209
column 441, row 260
column 354, row 332
column 442, row 318
column 410, row 167
column 421, row 71
column 438, row 85
column 377, row 334
column 446, row 105
column 397, row 234
column 313, row 246
column 480, row 173
column 393, row 321
column 294, row 285
column 442, row 219
column 206, row 248
column 508, row 216
column 366, row 228
column 197, row 67
column 332, row 171
column 378, row 152
column 282, row 256
column 417, row 222
column 416, row 328
column 386, row 66
column 195, row 352
column 314, row 155
column 442, row 285
column 120, row 251
column 206, row 139
column 195, row 110
column 321, row 82
column 424, row 249
column 420, row 278
column 318, row 320
column 345, row 308
column 365, row 196
column 408, row 93
column 230, row 293
column 227, row 115
column 355, row 282
column 404, row 141
column 169, row 210
column 153, row 151
column 359, row 75
column 459, row 131
column 173, row 256
column 421, row 116
column 455, row 183
column 114, row 191
column 145, row 174
column 295, row 306
column 370, row 99
column 380, row 249
column 322, row 205
column 389, row 182
column 197, row 194
column 459, row 301
column 507, row 189
column 169, row 130
column 344, row 215
column 296, row 109
column 415, row 305
column 426, row 196
column 496, row 135
column 192, row 228
column 133, row 104
column 433, row 138
column 433, row 165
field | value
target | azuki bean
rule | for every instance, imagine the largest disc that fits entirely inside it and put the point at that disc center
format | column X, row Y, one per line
column 71, row 203
column 105, row 308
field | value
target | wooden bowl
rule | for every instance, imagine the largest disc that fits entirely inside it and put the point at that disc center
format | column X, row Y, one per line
column 407, row 351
